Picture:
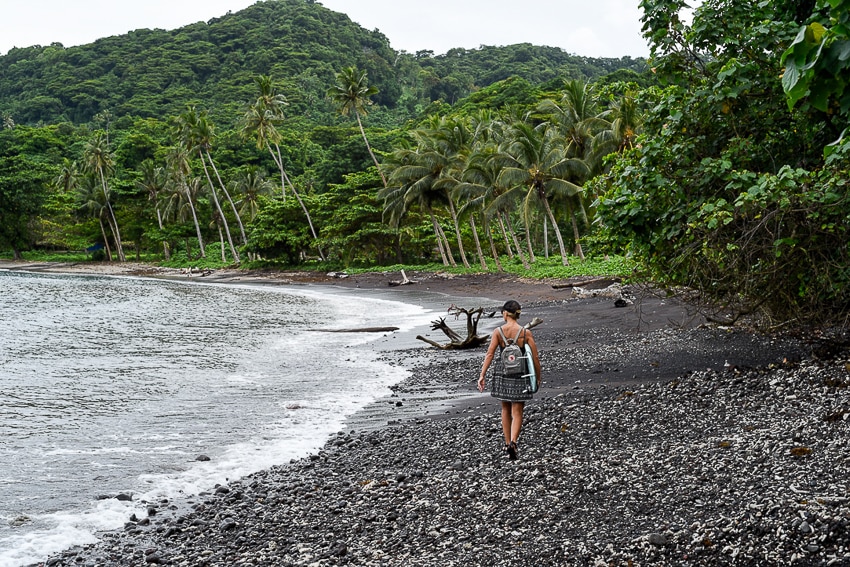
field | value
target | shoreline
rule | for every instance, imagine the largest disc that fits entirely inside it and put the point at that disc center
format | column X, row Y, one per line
column 654, row 439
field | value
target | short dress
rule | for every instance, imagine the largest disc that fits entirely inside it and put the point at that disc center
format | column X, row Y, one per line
column 508, row 388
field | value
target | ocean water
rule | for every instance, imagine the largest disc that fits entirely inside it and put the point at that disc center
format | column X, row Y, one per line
column 117, row 385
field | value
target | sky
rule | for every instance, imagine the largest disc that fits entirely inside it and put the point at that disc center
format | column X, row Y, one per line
column 595, row 28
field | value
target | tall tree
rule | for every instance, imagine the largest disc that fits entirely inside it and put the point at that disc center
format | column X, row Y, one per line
column 98, row 160
column 153, row 182
column 534, row 163
column 91, row 202
column 351, row 94
column 250, row 184
column 182, row 197
column 260, row 121
column 195, row 136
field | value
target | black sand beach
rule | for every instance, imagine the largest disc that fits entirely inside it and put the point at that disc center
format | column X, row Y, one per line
column 656, row 439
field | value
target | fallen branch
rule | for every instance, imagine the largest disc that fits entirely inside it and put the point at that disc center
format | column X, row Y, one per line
column 584, row 283
column 404, row 281
column 360, row 330
column 473, row 339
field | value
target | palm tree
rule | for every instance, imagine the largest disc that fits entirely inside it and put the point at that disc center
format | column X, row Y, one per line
column 68, row 176
column 590, row 136
column 625, row 123
column 97, row 160
column 181, row 195
column 260, row 121
column 153, row 181
column 216, row 221
column 477, row 189
column 404, row 192
column 205, row 133
column 351, row 93
column 535, row 164
column 251, row 184
column 452, row 140
column 195, row 133
column 90, row 200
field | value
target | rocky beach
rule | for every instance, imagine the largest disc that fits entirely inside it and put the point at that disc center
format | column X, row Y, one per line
column 656, row 439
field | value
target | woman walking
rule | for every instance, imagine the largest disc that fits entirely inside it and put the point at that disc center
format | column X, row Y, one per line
column 513, row 391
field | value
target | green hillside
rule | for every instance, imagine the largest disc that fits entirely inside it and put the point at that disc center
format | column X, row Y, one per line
column 155, row 73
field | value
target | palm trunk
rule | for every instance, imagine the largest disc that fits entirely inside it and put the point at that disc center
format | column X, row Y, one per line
column 278, row 160
column 519, row 252
column 306, row 212
column 229, row 200
column 105, row 240
column 579, row 252
column 165, row 249
column 477, row 243
column 220, row 212
column 557, row 230
column 546, row 237
column 112, row 230
column 369, row 148
column 493, row 251
column 508, row 248
column 448, row 246
column 457, row 233
column 221, row 240
column 118, row 246
column 195, row 219
column 439, row 239
column 532, row 259
column 284, row 179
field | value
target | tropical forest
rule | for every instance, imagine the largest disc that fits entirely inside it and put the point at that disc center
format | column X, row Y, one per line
column 286, row 136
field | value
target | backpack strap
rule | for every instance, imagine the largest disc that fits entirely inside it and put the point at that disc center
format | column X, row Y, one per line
column 504, row 338
column 514, row 340
column 518, row 333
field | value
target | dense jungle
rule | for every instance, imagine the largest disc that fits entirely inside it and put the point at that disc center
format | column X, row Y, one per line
column 287, row 136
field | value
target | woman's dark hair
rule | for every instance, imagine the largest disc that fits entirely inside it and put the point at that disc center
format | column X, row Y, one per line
column 512, row 307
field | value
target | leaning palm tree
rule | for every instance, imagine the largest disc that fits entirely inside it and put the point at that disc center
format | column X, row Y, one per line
column 534, row 164
column 625, row 123
column 98, row 160
column 180, row 194
column 403, row 193
column 251, row 183
column 351, row 93
column 68, row 176
column 153, row 181
column 260, row 122
column 477, row 189
column 204, row 135
column 195, row 134
column 90, row 201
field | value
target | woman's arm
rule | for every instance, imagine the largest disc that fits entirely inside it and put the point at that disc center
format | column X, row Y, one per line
column 488, row 359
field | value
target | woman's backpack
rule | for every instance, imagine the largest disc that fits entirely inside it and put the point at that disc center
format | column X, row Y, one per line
column 514, row 361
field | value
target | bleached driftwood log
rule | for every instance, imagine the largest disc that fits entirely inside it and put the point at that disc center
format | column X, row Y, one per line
column 404, row 281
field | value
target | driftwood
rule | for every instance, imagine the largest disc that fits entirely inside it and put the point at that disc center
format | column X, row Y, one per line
column 583, row 283
column 404, row 281
column 360, row 330
column 473, row 339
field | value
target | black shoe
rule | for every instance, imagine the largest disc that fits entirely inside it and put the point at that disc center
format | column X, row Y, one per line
column 512, row 451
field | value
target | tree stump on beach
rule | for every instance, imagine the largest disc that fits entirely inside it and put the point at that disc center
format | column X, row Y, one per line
column 473, row 339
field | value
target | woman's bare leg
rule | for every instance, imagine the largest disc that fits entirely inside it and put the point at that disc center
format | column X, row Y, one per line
column 507, row 415
column 516, row 420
